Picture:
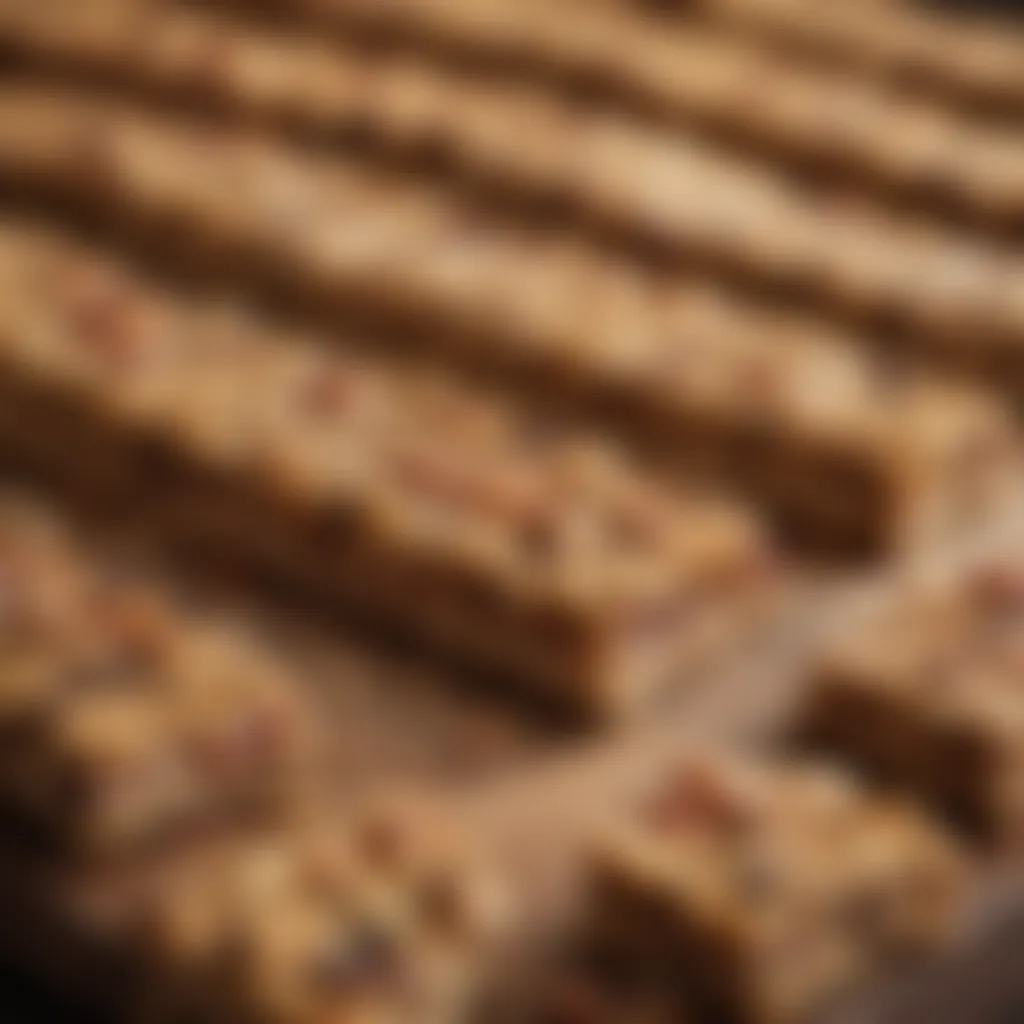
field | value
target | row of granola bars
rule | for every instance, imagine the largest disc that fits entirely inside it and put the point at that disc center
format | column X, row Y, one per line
column 781, row 404
column 342, row 90
column 124, row 721
column 481, row 509
column 729, row 887
column 749, row 891
column 744, row 889
column 955, row 295
column 299, row 931
column 508, row 537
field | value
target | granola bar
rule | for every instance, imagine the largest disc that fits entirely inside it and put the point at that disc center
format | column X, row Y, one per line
column 690, row 369
column 333, row 221
column 384, row 918
column 757, row 893
column 506, row 536
column 959, row 58
column 121, row 722
column 416, row 106
column 926, row 694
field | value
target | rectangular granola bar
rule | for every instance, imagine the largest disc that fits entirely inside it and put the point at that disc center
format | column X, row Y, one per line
column 959, row 58
column 505, row 536
column 522, row 132
column 758, row 893
column 927, row 694
column 385, row 918
column 120, row 721
column 783, row 405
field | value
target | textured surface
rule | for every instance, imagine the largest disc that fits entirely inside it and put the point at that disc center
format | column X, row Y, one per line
column 530, row 789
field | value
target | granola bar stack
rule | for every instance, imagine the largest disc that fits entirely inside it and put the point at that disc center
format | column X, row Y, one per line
column 555, row 336
column 508, row 537
column 765, row 398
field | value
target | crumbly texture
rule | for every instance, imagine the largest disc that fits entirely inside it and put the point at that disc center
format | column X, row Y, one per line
column 542, row 550
column 926, row 693
column 757, row 893
column 122, row 723
column 416, row 105
column 384, row 918
column 785, row 407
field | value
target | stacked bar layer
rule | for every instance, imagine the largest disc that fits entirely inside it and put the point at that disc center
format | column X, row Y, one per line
column 501, row 534
column 928, row 694
column 325, row 223
column 120, row 722
column 421, row 107
column 757, row 893
column 831, row 437
column 382, row 918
